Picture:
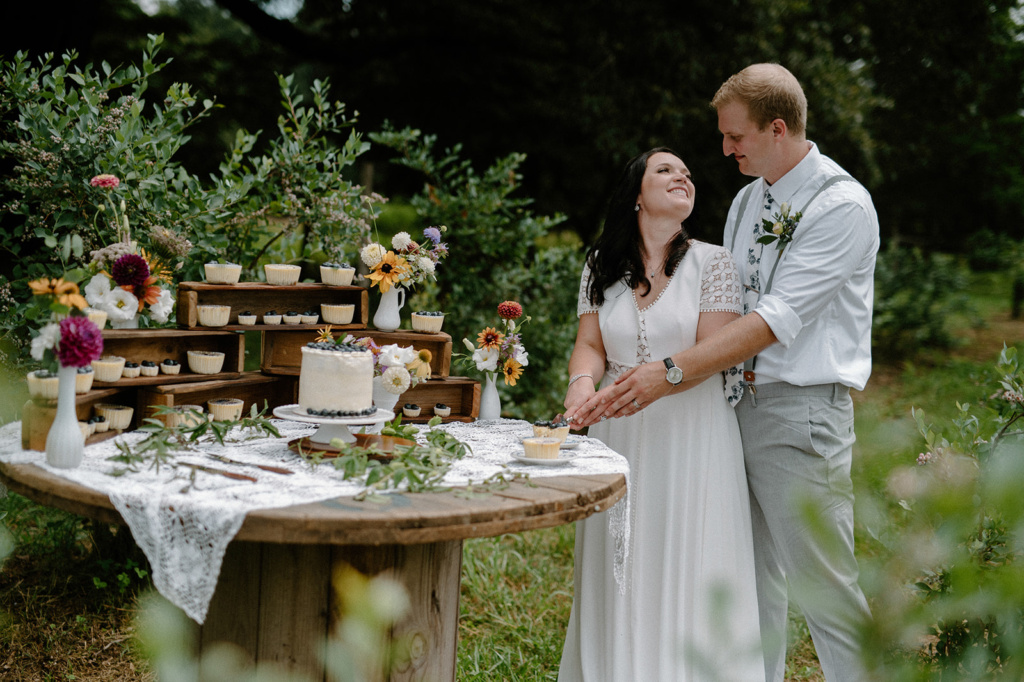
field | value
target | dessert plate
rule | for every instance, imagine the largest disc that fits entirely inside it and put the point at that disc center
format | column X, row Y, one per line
column 570, row 443
column 563, row 458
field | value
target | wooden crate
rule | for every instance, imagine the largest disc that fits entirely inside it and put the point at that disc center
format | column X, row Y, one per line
column 282, row 349
column 251, row 387
column 259, row 298
column 37, row 415
column 136, row 345
column 462, row 394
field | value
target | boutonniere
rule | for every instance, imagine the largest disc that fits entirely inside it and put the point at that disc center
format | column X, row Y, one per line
column 781, row 226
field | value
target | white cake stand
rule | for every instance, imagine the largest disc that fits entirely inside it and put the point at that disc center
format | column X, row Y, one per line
column 332, row 427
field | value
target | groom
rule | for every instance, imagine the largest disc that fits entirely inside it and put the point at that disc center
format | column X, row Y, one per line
column 805, row 341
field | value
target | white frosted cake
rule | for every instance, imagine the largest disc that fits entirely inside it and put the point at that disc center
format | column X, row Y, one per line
column 336, row 380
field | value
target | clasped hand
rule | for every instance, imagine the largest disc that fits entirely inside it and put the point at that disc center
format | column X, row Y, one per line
column 631, row 392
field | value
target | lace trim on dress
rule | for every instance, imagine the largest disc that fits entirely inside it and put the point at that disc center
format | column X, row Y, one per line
column 720, row 285
column 583, row 305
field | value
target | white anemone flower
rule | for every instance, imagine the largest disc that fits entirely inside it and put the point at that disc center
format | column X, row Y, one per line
column 119, row 304
column 396, row 380
column 486, row 359
column 520, row 355
column 394, row 355
column 96, row 289
column 401, row 240
column 48, row 338
column 372, row 254
column 161, row 310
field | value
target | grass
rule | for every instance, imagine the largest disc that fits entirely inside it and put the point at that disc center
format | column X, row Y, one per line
column 57, row 623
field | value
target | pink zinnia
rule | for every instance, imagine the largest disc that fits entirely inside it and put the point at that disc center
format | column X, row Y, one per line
column 106, row 181
column 510, row 310
column 81, row 342
column 130, row 270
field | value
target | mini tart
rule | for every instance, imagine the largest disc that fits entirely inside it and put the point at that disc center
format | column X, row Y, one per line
column 205, row 361
column 226, row 409
column 131, row 370
column 281, row 274
column 337, row 313
column 309, row 317
column 548, row 430
column 99, row 424
column 337, row 275
column 442, row 410
column 97, row 317
column 108, row 368
column 410, row 410
column 44, row 384
column 427, row 323
column 149, row 368
column 170, row 366
column 291, row 318
column 118, row 416
column 87, row 428
column 214, row 315
column 83, row 379
column 246, row 318
column 183, row 415
column 541, row 448
column 272, row 317
column 223, row 273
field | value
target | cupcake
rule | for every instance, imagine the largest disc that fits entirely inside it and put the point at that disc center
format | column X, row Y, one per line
column 186, row 415
column 43, row 384
column 149, row 368
column 97, row 317
column 169, row 366
column 309, row 317
column 108, row 368
column 557, row 429
column 205, row 361
column 410, row 410
column 279, row 273
column 246, row 318
column 226, row 409
column 442, row 410
column 223, row 273
column 131, row 370
column 99, row 424
column 337, row 313
column 118, row 417
column 541, row 448
column 271, row 317
column 337, row 274
column 427, row 321
column 214, row 315
column 292, row 317
column 87, row 429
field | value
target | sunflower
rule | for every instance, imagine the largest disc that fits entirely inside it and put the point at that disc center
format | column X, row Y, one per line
column 388, row 271
column 325, row 335
column 512, row 371
column 490, row 338
column 66, row 293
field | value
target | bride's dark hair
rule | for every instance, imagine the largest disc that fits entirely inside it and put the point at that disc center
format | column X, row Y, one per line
column 618, row 252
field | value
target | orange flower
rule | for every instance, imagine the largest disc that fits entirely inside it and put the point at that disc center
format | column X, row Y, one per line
column 66, row 293
column 325, row 335
column 512, row 371
column 146, row 293
column 388, row 271
column 157, row 267
column 490, row 338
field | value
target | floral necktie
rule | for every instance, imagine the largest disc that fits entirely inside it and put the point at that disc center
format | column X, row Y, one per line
column 752, row 288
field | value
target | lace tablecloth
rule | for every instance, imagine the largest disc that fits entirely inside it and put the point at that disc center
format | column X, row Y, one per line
column 185, row 527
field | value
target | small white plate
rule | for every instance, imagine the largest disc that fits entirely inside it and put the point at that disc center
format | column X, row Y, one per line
column 570, row 443
column 562, row 459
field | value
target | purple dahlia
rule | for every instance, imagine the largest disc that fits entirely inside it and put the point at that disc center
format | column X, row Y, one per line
column 131, row 270
column 81, row 342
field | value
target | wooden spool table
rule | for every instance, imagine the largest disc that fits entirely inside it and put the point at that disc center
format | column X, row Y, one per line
column 274, row 597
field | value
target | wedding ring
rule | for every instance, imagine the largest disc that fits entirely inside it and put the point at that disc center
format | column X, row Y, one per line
column 603, row 417
column 636, row 404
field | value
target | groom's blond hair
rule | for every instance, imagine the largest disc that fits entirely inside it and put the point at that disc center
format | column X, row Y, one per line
column 770, row 91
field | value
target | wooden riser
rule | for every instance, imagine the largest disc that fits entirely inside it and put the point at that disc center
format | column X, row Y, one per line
column 259, row 298
column 282, row 349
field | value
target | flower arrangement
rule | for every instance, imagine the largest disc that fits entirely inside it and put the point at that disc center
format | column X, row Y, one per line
column 781, row 226
column 69, row 339
column 125, row 277
column 408, row 262
column 499, row 350
column 398, row 367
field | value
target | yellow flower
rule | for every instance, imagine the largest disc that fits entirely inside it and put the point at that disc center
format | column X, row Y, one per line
column 512, row 371
column 388, row 271
column 490, row 338
column 66, row 293
column 420, row 367
column 325, row 335
column 157, row 268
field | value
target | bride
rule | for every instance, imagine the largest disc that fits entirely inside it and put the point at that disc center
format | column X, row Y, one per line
column 685, row 607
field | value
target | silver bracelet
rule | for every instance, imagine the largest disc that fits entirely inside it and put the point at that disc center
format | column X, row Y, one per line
column 576, row 377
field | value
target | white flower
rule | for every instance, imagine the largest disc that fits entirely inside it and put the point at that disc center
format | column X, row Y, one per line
column 96, row 289
column 395, row 356
column 469, row 344
column 372, row 254
column 401, row 240
column 426, row 265
column 784, row 208
column 486, row 359
column 48, row 338
column 119, row 304
column 520, row 355
column 396, row 380
column 777, row 228
column 161, row 310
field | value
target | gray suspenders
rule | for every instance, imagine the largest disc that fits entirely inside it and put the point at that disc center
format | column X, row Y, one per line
column 748, row 366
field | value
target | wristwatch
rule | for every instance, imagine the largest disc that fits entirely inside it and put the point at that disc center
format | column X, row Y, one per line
column 674, row 375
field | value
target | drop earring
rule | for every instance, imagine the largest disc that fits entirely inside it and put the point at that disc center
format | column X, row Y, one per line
column 637, row 208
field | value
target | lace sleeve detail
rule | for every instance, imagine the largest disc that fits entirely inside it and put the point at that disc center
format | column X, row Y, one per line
column 720, row 285
column 583, row 305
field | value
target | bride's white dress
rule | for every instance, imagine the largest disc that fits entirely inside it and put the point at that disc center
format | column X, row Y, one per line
column 686, row 609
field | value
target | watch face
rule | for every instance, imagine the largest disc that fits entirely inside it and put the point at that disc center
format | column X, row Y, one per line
column 674, row 375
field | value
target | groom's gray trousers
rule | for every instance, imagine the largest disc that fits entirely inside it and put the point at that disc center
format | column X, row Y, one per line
column 798, row 447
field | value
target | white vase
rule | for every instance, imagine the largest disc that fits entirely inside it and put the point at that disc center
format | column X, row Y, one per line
column 490, row 402
column 65, row 442
column 130, row 323
column 382, row 398
column 387, row 318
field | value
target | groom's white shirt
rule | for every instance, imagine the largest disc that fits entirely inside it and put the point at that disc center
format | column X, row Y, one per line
column 820, row 302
